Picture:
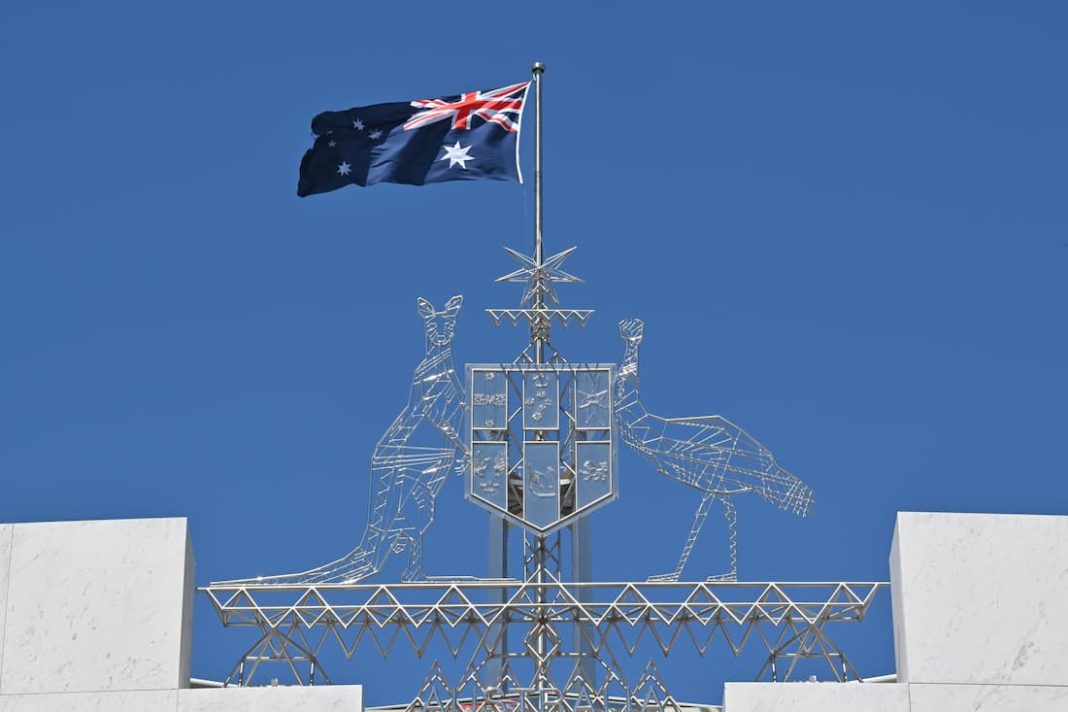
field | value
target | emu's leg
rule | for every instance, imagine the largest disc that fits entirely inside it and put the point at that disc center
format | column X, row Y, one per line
column 732, row 537
column 698, row 522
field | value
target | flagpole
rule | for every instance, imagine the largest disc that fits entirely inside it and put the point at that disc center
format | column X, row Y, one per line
column 538, row 69
column 539, row 251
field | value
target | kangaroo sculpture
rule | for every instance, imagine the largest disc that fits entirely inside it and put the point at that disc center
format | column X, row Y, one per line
column 406, row 478
column 709, row 453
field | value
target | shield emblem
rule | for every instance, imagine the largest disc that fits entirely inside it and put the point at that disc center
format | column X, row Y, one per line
column 541, row 441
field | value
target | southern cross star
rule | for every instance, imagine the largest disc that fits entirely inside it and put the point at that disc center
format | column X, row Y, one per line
column 344, row 169
column 376, row 134
column 332, row 143
column 456, row 154
column 358, row 124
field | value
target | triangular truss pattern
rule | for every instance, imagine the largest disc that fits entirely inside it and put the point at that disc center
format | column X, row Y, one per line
column 789, row 621
column 566, row 317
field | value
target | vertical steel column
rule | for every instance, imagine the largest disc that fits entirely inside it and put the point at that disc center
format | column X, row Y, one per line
column 582, row 572
column 540, row 332
column 498, row 568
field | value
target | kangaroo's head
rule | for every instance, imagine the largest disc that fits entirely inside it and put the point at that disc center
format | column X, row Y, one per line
column 440, row 325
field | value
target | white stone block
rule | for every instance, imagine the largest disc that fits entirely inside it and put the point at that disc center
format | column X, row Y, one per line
column 897, row 610
column 96, row 606
column 330, row 698
column 988, row 698
column 5, row 564
column 141, row 701
column 979, row 598
column 815, row 697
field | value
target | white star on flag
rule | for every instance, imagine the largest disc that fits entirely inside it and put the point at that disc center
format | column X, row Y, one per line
column 456, row 154
column 344, row 169
column 377, row 133
column 358, row 124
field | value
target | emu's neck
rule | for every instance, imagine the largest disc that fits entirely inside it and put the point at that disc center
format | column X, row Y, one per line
column 628, row 401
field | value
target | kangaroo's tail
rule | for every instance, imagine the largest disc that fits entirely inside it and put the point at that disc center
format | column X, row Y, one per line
column 356, row 565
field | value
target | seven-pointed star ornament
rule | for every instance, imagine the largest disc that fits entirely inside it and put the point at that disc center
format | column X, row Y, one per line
column 344, row 169
column 455, row 154
column 540, row 279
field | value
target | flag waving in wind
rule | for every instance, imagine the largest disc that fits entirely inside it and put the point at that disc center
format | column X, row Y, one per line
column 470, row 136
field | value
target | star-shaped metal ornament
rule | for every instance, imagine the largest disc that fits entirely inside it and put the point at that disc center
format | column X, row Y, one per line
column 539, row 280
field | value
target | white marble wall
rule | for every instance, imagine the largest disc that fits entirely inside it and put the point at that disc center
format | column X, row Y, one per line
column 6, row 531
column 263, row 699
column 97, row 617
column 96, row 606
column 333, row 698
column 897, row 608
column 139, row 701
column 814, row 697
column 988, row 698
column 981, row 598
column 883, row 697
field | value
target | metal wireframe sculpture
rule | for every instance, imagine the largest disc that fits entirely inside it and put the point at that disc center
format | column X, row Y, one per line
column 708, row 453
column 539, row 454
column 406, row 478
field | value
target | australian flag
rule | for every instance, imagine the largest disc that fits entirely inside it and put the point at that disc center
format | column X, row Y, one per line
column 470, row 136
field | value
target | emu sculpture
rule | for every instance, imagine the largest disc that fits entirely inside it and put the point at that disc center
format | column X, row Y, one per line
column 709, row 453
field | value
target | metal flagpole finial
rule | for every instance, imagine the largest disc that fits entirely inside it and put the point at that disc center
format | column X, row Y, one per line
column 538, row 68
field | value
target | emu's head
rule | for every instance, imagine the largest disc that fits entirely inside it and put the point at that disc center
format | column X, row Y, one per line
column 440, row 325
column 631, row 331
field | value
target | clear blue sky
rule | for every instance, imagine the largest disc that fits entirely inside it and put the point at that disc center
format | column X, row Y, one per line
column 845, row 225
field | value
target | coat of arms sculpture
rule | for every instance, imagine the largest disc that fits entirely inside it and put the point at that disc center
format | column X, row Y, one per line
column 536, row 440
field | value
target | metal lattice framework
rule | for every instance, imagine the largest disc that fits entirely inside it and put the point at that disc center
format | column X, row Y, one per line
column 789, row 621
column 709, row 453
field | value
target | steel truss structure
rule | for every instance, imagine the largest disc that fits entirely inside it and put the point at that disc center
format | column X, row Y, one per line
column 614, row 621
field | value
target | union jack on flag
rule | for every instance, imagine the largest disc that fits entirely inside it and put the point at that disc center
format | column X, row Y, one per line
column 500, row 106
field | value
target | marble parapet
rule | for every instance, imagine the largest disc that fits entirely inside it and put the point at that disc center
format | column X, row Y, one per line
column 97, row 605
column 348, row 698
column 330, row 698
column 814, row 697
column 984, row 698
column 120, row 701
column 6, row 532
column 979, row 598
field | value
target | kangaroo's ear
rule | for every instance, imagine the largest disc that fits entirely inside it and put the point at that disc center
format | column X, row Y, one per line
column 453, row 305
column 426, row 309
